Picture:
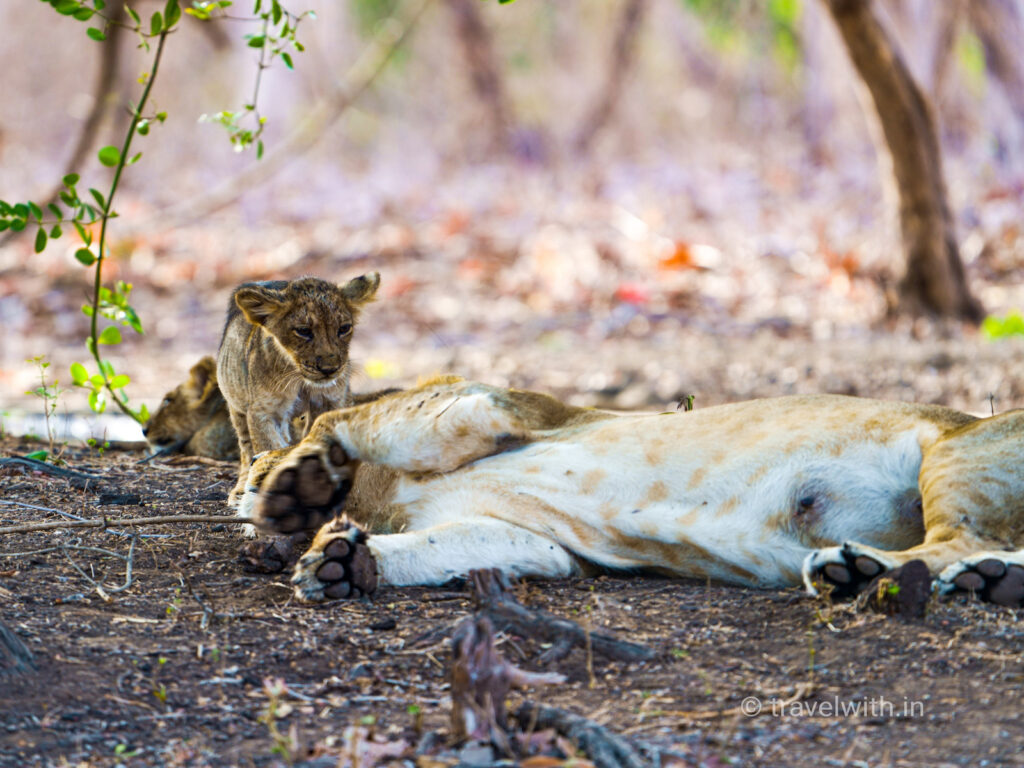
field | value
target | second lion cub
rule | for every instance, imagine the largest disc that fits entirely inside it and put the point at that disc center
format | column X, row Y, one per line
column 284, row 352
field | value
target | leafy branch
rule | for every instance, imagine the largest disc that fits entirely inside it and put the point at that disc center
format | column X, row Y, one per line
column 278, row 34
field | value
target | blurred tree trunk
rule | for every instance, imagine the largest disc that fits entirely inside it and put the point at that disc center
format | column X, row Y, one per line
column 485, row 75
column 619, row 66
column 934, row 281
column 1000, row 28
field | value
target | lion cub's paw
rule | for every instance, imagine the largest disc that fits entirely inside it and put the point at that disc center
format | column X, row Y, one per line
column 338, row 565
column 304, row 491
column 845, row 569
column 996, row 577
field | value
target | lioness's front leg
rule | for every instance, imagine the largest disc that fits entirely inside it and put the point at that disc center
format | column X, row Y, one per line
column 344, row 561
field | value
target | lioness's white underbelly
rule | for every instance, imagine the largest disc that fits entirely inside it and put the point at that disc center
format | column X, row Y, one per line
column 743, row 503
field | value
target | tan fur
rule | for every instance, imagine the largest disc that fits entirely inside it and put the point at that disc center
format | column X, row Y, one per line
column 284, row 352
column 193, row 418
column 456, row 475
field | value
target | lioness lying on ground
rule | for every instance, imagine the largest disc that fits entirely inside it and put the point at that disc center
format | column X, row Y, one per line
column 456, row 475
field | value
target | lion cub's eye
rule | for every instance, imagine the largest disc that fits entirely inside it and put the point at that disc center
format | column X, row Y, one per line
column 304, row 333
column 345, row 329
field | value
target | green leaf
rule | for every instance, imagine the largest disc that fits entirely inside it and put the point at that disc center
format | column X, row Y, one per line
column 83, row 233
column 40, row 240
column 134, row 15
column 143, row 127
column 259, row 149
column 71, row 179
column 83, row 13
column 156, row 23
column 37, row 455
column 287, row 59
column 98, row 197
column 107, row 368
column 78, row 374
column 36, row 211
column 87, row 310
column 96, row 381
column 18, row 225
column 132, row 319
column 120, row 381
column 100, row 4
column 142, row 415
column 256, row 41
column 96, row 34
column 55, row 210
column 110, row 335
column 172, row 12
column 275, row 11
column 134, row 159
column 66, row 7
column 110, row 156
column 98, row 401
column 85, row 256
column 56, row 232
column 4, row 225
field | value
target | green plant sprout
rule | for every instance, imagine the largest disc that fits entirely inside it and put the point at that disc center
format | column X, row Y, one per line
column 49, row 394
column 993, row 327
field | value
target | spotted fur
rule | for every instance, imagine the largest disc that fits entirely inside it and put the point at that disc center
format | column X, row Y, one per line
column 283, row 353
column 457, row 475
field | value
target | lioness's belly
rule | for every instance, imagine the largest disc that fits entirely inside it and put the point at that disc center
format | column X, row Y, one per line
column 741, row 499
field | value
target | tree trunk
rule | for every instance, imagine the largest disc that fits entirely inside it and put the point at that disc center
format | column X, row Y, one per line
column 485, row 77
column 934, row 282
column 621, row 62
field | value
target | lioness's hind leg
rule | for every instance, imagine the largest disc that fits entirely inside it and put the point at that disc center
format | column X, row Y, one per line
column 996, row 577
column 846, row 569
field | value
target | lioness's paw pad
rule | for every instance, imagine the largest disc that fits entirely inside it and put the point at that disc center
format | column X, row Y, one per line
column 989, row 576
column 304, row 493
column 844, row 569
column 344, row 567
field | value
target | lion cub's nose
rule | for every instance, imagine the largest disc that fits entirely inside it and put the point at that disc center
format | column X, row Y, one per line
column 326, row 368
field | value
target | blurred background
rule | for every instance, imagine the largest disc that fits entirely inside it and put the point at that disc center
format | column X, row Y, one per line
column 622, row 202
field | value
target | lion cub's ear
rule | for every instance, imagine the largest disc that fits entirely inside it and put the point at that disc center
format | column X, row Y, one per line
column 259, row 304
column 362, row 289
column 203, row 378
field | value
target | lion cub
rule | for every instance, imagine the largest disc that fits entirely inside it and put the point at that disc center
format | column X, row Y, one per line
column 284, row 352
column 193, row 418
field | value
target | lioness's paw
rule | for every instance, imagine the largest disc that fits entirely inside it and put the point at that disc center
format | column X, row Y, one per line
column 996, row 577
column 338, row 565
column 305, row 490
column 846, row 569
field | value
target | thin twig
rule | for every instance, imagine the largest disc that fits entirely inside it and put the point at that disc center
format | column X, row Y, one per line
column 79, row 518
column 50, row 469
column 319, row 118
column 117, row 522
column 105, row 593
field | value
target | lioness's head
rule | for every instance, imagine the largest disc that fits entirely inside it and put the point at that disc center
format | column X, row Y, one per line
column 186, row 409
column 310, row 319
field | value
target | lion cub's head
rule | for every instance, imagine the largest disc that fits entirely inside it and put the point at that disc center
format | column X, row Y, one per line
column 193, row 417
column 310, row 319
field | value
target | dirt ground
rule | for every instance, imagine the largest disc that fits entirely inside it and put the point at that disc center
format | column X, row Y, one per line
column 172, row 671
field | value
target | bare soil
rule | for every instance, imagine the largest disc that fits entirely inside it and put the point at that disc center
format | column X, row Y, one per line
column 172, row 670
